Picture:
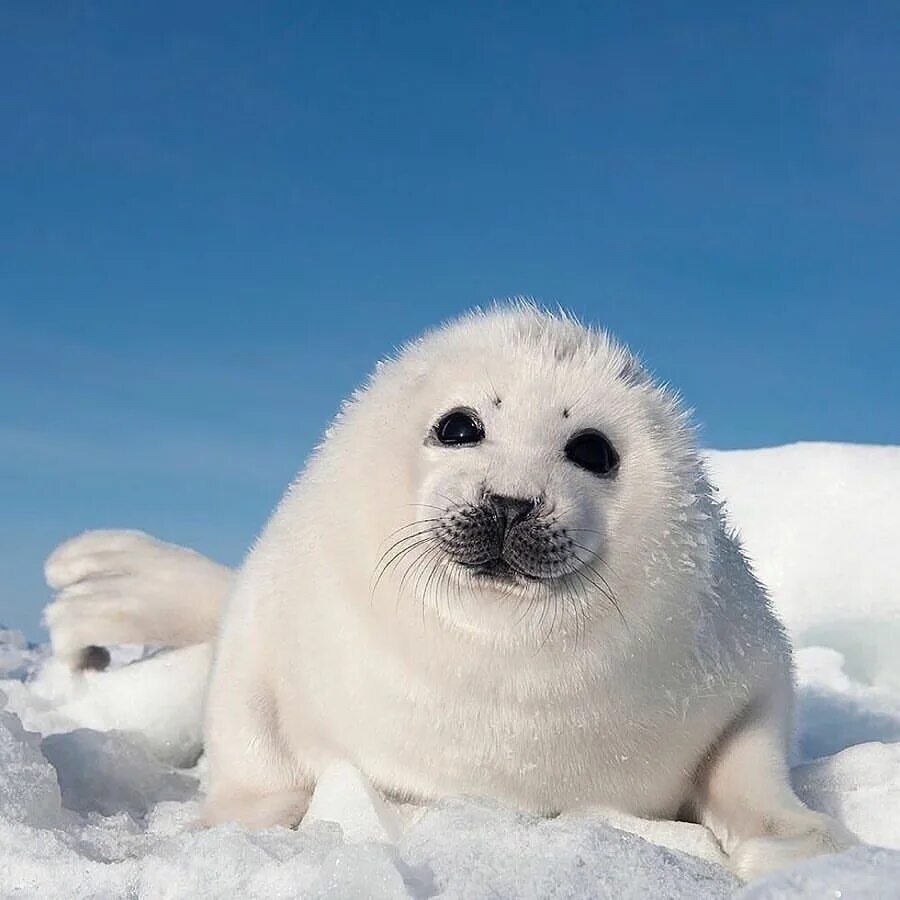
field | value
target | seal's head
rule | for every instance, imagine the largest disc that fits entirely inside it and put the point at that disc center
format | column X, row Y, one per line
column 538, row 461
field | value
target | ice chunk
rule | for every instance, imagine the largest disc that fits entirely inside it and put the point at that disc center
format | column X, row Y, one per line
column 172, row 817
column 29, row 792
column 361, row 872
column 344, row 795
column 18, row 657
column 105, row 772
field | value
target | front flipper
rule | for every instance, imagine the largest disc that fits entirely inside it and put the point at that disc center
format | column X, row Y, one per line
column 257, row 811
column 744, row 796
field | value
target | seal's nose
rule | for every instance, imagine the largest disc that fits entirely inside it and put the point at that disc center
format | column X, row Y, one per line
column 510, row 509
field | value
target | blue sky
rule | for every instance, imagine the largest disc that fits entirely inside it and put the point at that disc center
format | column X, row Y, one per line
column 216, row 217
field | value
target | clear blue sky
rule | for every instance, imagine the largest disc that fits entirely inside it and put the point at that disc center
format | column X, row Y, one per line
column 217, row 216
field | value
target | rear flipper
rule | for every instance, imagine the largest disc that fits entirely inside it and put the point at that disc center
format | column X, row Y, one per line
column 125, row 587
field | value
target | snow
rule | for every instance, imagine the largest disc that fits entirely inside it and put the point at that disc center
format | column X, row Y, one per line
column 822, row 522
column 864, row 873
column 100, row 784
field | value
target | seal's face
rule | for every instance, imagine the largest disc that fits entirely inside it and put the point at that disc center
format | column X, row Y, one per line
column 520, row 494
column 517, row 539
column 544, row 469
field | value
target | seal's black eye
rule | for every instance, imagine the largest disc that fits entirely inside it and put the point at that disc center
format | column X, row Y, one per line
column 592, row 451
column 460, row 426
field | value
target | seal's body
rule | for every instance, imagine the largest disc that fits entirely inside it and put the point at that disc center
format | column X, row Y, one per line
column 504, row 574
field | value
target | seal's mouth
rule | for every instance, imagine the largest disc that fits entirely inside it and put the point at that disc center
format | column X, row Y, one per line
column 499, row 570
column 505, row 540
column 515, row 546
column 473, row 548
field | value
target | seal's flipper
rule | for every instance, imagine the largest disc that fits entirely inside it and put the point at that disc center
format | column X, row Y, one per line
column 745, row 798
column 126, row 587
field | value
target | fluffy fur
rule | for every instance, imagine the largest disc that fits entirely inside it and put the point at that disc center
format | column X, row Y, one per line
column 641, row 670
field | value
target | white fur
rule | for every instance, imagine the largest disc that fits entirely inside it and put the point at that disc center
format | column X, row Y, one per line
column 544, row 697
column 121, row 587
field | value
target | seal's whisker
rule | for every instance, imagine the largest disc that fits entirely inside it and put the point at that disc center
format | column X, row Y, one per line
column 580, row 596
column 417, row 540
column 432, row 558
column 523, row 616
column 429, row 557
column 555, row 604
column 578, row 611
column 594, row 556
column 450, row 582
column 453, row 503
column 435, row 566
column 442, row 509
column 593, row 553
column 456, row 576
column 409, row 525
column 609, row 596
column 426, row 572
column 587, row 530
column 602, row 588
column 543, row 612
column 411, row 567
column 472, row 584
column 396, row 557
column 553, row 516
column 567, row 598
column 453, row 581
column 538, row 601
column 402, row 540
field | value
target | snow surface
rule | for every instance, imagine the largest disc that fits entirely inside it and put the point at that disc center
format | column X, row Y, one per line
column 100, row 784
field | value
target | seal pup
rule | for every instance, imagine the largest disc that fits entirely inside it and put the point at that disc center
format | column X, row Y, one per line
column 503, row 573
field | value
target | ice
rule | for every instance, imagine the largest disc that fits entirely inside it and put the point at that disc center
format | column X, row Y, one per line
column 364, row 871
column 837, row 711
column 100, row 786
column 28, row 789
column 229, row 861
column 864, row 873
column 105, row 772
column 343, row 795
column 861, row 787
column 41, row 863
column 168, row 716
column 18, row 657
column 479, row 850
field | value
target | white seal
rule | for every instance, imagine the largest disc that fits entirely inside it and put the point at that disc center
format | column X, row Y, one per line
column 502, row 574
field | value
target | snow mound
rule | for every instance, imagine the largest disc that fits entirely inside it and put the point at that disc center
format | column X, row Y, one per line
column 100, row 786
column 821, row 523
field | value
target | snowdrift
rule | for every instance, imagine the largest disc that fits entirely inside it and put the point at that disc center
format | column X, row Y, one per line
column 100, row 784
